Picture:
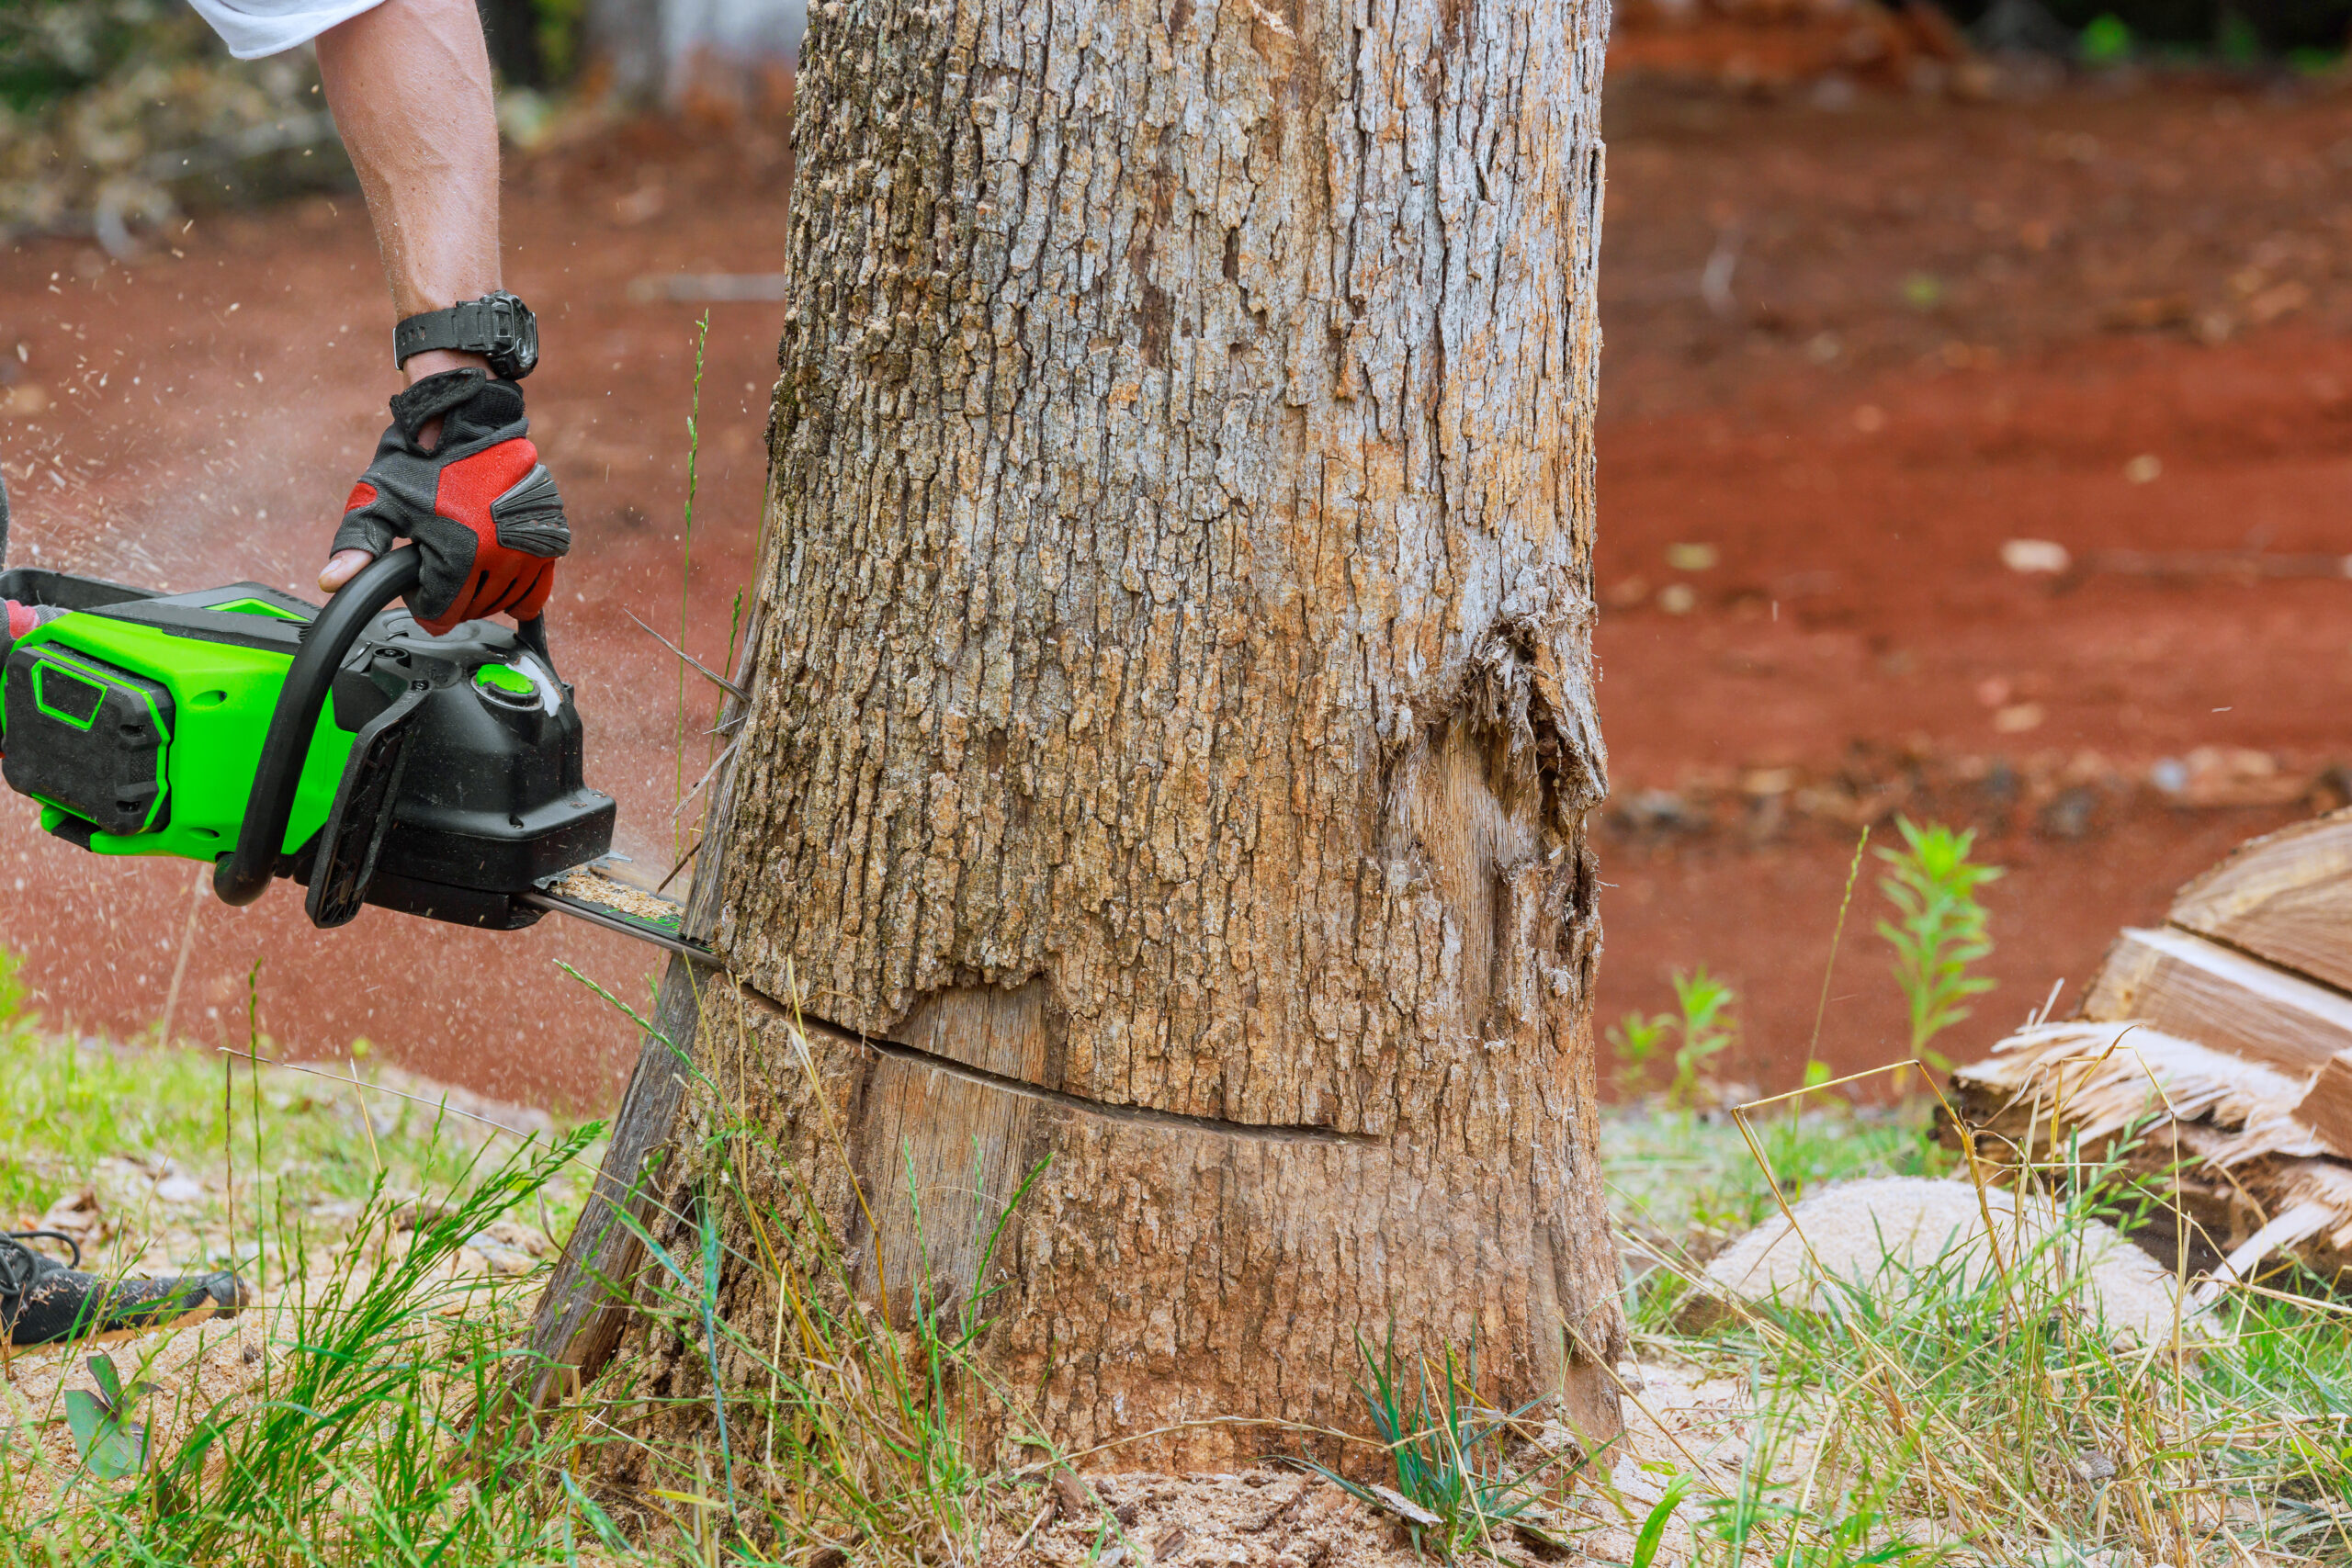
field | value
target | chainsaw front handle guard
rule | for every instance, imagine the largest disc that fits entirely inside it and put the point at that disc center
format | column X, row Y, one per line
column 246, row 872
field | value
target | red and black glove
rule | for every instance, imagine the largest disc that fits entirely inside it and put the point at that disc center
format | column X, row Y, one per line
column 479, row 504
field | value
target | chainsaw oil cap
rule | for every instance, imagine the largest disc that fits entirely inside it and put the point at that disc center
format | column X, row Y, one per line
column 506, row 684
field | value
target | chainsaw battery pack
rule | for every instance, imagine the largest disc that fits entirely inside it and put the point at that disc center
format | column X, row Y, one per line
column 92, row 738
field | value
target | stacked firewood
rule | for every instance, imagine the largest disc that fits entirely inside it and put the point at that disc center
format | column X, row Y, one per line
column 2215, row 1053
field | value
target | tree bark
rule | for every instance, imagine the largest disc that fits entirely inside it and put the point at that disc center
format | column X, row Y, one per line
column 1173, row 728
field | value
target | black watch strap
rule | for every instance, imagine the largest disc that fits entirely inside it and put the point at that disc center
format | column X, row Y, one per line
column 497, row 326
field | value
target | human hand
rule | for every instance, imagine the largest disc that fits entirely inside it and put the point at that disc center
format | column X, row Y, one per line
column 477, row 500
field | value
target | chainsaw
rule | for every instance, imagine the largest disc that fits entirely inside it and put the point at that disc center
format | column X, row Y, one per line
column 343, row 747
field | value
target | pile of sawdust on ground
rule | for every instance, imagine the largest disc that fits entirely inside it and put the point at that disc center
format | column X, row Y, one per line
column 1896, row 1236
column 1265, row 1519
column 1680, row 1420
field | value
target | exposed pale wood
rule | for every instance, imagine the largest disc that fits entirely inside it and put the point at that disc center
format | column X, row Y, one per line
column 2286, row 898
column 2098, row 1080
column 2327, row 1106
column 583, row 1312
column 2222, row 1133
column 1173, row 720
column 2186, row 985
column 951, row 1146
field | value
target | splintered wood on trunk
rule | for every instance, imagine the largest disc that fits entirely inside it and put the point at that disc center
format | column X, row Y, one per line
column 1173, row 724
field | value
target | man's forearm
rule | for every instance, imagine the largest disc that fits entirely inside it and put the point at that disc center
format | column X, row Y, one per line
column 409, row 85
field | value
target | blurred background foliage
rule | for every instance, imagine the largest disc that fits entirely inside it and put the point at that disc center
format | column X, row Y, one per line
column 114, row 114
column 2240, row 32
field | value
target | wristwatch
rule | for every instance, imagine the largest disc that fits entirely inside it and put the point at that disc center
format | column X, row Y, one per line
column 499, row 326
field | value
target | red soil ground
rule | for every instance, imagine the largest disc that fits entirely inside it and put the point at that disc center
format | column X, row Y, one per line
column 1945, row 326
column 1948, row 326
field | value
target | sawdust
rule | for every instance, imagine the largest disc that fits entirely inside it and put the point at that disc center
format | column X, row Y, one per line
column 1262, row 1519
column 1900, row 1235
column 592, row 886
column 146, row 1214
column 191, row 1370
column 1680, row 1420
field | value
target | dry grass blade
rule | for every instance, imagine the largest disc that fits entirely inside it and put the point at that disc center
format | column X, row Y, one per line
column 705, row 671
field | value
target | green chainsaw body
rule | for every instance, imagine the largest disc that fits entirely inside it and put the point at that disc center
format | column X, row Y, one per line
column 204, row 727
column 436, row 776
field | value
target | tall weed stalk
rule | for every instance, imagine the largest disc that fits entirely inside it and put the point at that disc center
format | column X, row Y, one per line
column 1940, row 930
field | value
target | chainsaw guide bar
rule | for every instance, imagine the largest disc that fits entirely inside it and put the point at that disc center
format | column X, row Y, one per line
column 592, row 892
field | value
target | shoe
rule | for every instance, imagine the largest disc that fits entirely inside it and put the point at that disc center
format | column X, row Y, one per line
column 43, row 1300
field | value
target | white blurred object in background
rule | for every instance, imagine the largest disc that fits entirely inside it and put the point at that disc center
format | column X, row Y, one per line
column 737, row 54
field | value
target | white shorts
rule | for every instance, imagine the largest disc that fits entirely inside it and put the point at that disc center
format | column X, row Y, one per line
column 255, row 28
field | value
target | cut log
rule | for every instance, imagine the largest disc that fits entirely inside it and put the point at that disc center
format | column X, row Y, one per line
column 2223, row 1133
column 2286, row 898
column 2099, row 1081
column 2223, row 1040
column 2186, row 985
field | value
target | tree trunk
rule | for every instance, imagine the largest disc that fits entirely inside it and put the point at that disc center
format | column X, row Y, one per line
column 1172, row 726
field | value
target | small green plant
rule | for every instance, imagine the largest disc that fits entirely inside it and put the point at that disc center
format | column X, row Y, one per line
column 111, row 1444
column 2236, row 41
column 1446, row 1450
column 1653, row 1535
column 1923, row 291
column 1706, row 1027
column 1636, row 1042
column 1702, row 1020
column 2106, row 40
column 1932, row 885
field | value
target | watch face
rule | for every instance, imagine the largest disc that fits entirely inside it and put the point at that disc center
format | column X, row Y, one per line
column 525, row 353
column 520, row 352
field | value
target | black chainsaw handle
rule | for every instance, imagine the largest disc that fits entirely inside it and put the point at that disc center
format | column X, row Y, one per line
column 244, row 874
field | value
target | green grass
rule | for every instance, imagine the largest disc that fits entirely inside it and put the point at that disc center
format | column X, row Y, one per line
column 1936, row 1425
column 1681, row 1181
column 377, row 1430
column 1994, row 1424
column 64, row 1107
column 1449, row 1455
column 1932, row 1419
column 1952, row 1421
column 376, row 1363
